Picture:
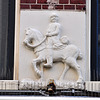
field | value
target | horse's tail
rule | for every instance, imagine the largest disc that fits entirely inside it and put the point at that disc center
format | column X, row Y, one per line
column 77, row 53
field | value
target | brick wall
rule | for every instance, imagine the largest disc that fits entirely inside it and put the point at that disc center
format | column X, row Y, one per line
column 54, row 4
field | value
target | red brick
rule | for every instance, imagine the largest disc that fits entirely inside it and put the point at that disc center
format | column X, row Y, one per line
column 58, row 6
column 78, row 1
column 63, row 1
column 42, row 1
column 28, row 1
column 69, row 6
column 45, row 7
column 35, row 6
column 24, row 6
column 81, row 7
column 22, row 1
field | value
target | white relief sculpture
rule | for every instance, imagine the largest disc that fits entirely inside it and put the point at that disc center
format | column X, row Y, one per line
column 51, row 48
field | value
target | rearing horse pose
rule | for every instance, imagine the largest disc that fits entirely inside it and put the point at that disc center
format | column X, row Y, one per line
column 68, row 54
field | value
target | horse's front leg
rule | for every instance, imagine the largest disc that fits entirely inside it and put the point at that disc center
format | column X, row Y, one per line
column 34, row 62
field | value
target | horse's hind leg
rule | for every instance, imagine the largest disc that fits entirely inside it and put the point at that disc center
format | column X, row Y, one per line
column 71, row 61
column 64, row 72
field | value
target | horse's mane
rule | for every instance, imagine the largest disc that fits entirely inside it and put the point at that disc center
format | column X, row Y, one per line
column 38, row 34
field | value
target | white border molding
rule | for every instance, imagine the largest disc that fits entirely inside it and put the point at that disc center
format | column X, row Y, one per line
column 16, row 48
column 88, row 35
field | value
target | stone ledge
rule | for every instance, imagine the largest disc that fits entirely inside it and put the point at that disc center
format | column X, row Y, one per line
column 92, row 86
column 16, row 85
column 30, row 84
column 8, row 84
column 27, row 84
column 43, row 85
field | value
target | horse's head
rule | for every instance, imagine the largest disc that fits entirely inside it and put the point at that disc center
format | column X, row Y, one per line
column 28, row 37
column 33, row 36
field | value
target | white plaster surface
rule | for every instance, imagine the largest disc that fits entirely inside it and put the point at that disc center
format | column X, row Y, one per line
column 73, row 26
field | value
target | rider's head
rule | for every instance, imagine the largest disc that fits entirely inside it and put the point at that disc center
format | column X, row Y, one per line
column 54, row 17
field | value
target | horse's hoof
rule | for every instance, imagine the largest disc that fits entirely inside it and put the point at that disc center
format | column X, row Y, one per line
column 39, row 73
column 80, row 80
column 48, row 65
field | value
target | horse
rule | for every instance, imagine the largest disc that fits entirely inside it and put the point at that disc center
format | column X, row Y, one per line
column 35, row 40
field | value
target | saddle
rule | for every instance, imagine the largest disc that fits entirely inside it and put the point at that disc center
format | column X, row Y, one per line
column 64, row 41
column 59, row 46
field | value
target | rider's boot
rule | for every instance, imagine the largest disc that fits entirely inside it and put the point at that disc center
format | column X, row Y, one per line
column 49, row 62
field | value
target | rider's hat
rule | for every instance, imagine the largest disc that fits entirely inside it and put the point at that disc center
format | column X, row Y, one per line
column 54, row 15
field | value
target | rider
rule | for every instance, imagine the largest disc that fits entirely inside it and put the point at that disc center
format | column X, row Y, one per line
column 53, row 38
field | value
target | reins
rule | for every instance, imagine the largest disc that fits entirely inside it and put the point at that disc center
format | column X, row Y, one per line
column 34, row 46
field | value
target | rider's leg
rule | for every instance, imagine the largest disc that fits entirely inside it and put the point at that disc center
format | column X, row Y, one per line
column 49, row 58
column 49, row 62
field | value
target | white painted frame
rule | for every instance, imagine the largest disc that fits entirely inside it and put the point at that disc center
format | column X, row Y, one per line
column 17, row 32
column 88, row 36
